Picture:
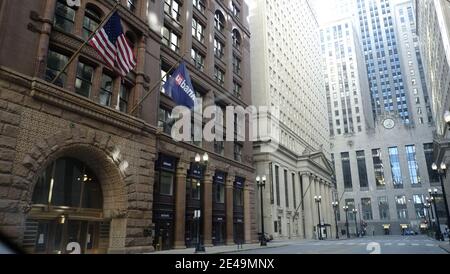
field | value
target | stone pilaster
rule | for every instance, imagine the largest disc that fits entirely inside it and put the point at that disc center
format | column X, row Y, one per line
column 44, row 37
column 229, row 209
column 308, row 205
column 207, row 208
column 180, row 206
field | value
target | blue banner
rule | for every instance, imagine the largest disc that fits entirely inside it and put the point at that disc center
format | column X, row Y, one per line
column 179, row 87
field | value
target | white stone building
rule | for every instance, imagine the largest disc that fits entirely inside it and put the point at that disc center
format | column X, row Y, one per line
column 287, row 75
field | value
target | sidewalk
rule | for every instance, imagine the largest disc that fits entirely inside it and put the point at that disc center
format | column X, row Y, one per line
column 445, row 246
column 225, row 249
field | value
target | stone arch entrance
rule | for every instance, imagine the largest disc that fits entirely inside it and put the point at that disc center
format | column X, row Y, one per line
column 110, row 221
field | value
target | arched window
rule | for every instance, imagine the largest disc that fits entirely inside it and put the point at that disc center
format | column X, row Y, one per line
column 92, row 19
column 64, row 16
column 68, row 183
column 237, row 40
column 219, row 21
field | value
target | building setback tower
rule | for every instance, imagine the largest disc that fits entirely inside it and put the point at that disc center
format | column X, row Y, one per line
column 383, row 167
column 286, row 76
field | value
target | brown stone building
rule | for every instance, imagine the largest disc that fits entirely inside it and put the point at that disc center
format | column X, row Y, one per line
column 78, row 164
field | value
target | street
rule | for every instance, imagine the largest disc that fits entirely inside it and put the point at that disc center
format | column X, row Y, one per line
column 367, row 245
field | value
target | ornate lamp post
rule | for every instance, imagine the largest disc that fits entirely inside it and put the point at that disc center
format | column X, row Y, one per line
column 318, row 200
column 346, row 220
column 427, row 205
column 355, row 212
column 336, row 208
column 433, row 195
column 198, row 213
column 261, row 183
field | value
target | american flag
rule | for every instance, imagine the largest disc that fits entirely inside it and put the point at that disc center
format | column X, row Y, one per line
column 111, row 43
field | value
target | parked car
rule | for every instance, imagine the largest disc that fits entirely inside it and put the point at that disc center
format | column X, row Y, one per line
column 409, row 232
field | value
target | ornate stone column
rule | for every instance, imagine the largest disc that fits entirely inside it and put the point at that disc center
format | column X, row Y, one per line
column 248, row 192
column 307, row 205
column 229, row 209
column 180, row 206
column 207, row 207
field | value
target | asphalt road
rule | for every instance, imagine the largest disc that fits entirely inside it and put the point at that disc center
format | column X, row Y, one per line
column 367, row 245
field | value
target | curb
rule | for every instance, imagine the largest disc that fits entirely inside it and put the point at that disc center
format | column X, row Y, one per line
column 252, row 249
column 446, row 248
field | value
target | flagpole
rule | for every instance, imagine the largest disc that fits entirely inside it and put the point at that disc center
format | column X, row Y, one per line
column 155, row 86
column 86, row 42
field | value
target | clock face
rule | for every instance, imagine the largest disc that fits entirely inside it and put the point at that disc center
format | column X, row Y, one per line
column 389, row 124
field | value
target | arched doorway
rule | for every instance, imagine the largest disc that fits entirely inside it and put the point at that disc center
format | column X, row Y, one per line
column 67, row 211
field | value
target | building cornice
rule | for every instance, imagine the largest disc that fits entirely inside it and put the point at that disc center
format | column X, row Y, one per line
column 59, row 97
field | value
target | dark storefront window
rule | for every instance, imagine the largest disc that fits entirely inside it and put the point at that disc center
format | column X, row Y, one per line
column 164, row 202
column 238, row 199
column 219, row 209
column 194, row 188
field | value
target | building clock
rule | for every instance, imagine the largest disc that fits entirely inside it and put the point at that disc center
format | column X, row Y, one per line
column 389, row 123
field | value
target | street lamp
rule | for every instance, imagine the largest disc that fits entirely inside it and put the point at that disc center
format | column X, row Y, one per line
column 318, row 200
column 346, row 220
column 355, row 211
column 336, row 208
column 442, row 171
column 433, row 195
column 427, row 205
column 261, row 183
column 198, row 213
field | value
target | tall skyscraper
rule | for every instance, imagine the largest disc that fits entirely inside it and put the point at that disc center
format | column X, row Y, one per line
column 286, row 75
column 383, row 169
column 345, row 79
column 382, row 57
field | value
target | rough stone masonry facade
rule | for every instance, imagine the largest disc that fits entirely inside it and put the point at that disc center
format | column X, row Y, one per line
column 40, row 123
